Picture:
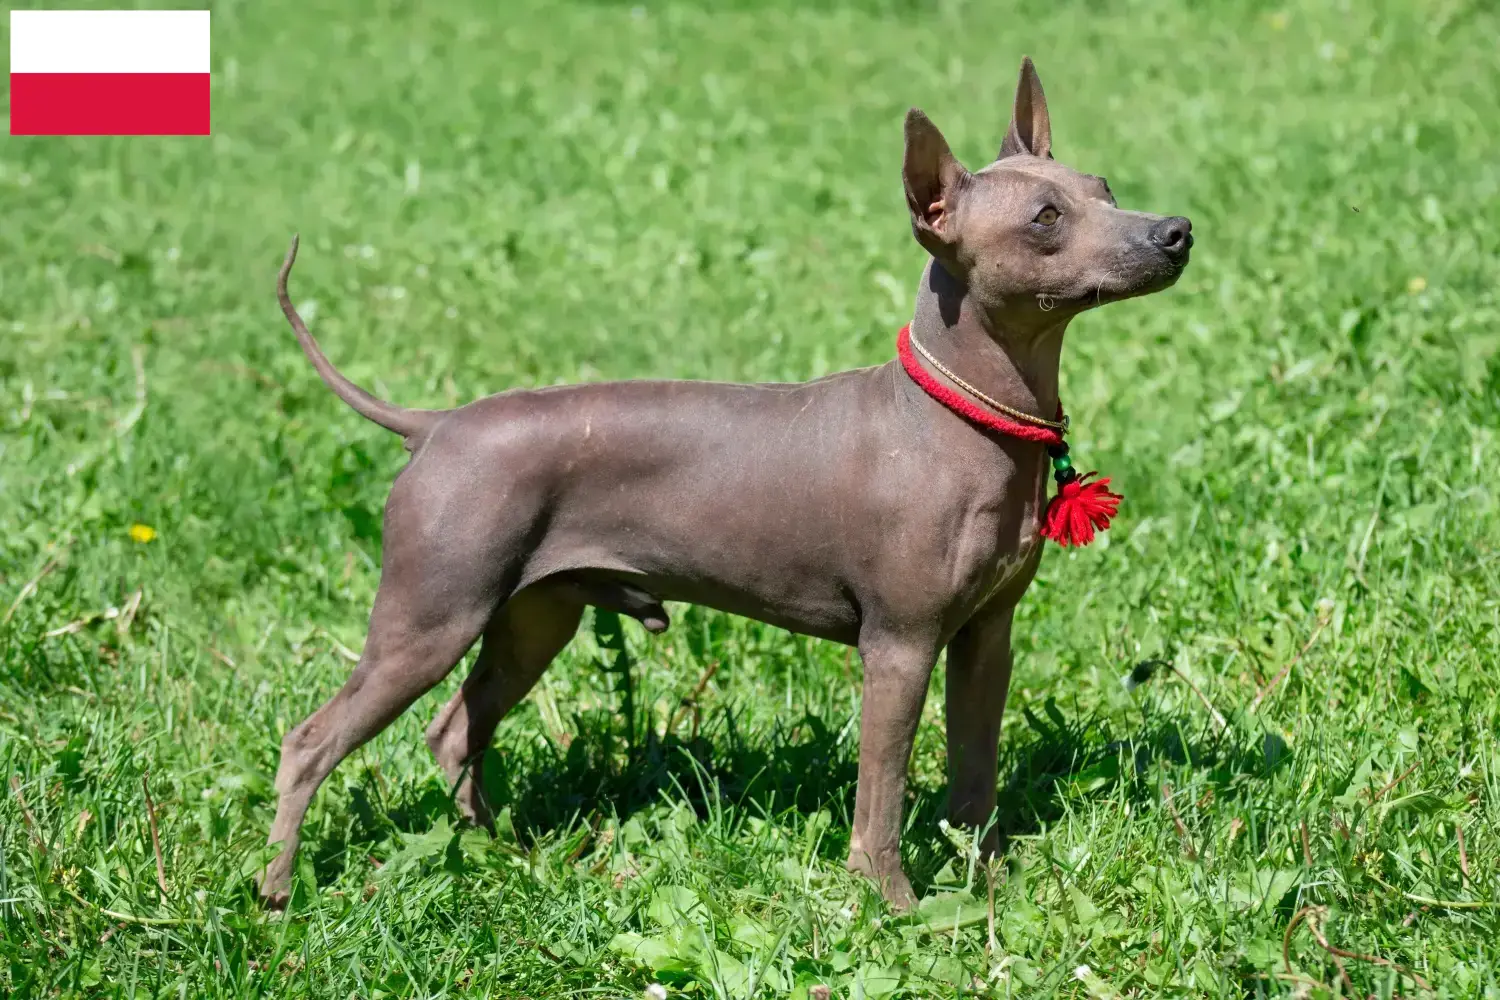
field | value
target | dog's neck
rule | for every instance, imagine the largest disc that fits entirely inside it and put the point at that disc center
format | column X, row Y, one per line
column 1017, row 367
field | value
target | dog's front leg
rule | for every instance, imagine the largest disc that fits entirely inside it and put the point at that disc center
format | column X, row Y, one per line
column 897, row 670
column 978, row 679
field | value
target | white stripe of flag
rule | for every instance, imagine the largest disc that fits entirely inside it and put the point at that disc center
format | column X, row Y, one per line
column 109, row 41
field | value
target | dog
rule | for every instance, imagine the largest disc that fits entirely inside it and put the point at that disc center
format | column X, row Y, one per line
column 858, row 507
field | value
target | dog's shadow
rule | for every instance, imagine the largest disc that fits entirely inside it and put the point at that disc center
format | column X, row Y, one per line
column 611, row 766
column 608, row 768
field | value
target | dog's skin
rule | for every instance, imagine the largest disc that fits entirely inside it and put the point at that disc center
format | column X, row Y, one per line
column 853, row 508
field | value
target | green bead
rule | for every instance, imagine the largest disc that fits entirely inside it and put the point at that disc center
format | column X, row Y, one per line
column 1062, row 462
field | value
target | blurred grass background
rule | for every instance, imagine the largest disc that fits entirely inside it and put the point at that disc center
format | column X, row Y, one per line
column 520, row 194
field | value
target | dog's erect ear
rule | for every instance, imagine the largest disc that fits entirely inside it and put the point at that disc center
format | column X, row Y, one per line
column 1030, row 128
column 933, row 181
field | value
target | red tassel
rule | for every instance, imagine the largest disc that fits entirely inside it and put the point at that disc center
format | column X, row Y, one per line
column 1077, row 509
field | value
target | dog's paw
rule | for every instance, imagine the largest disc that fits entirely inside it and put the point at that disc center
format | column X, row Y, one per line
column 275, row 901
column 274, row 886
column 894, row 886
column 897, row 890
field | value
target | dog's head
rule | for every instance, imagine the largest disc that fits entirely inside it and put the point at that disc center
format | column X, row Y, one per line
column 1026, row 235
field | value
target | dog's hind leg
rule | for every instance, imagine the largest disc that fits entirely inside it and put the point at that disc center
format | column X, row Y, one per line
column 433, row 603
column 526, row 633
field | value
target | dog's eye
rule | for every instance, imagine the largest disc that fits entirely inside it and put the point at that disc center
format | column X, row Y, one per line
column 1047, row 216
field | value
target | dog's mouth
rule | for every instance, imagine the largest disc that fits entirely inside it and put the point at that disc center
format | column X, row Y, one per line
column 1155, row 274
column 1178, row 264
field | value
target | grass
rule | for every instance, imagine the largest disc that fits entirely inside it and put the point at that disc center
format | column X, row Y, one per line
column 1305, row 430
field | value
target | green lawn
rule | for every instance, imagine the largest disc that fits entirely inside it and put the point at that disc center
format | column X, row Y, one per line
column 1305, row 430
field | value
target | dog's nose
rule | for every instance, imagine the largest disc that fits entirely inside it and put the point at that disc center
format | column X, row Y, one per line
column 1174, row 235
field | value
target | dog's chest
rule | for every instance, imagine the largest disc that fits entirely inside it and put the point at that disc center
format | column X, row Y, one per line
column 1003, row 538
column 1013, row 555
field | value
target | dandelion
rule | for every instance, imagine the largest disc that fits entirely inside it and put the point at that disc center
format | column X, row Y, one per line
column 1139, row 674
column 1416, row 285
column 142, row 533
column 656, row 991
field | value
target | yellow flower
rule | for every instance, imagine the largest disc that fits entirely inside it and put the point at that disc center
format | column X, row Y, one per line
column 1416, row 285
column 142, row 533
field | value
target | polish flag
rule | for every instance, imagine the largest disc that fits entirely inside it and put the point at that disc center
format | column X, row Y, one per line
column 109, row 72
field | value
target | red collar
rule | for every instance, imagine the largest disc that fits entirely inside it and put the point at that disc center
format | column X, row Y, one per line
column 1079, row 507
column 966, row 407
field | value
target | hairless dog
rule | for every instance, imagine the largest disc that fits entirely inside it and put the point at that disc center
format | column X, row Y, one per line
column 865, row 507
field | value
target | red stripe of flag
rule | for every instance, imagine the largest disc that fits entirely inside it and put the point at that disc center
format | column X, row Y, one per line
column 109, row 103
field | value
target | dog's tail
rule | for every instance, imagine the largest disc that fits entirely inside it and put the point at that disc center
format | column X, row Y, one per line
column 410, row 424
